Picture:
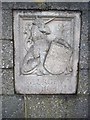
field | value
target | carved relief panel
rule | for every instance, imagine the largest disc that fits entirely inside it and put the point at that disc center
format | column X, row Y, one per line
column 46, row 52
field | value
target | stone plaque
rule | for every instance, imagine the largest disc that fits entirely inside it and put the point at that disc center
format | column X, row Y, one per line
column 46, row 51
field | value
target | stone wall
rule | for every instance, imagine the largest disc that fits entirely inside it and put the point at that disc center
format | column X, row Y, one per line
column 42, row 106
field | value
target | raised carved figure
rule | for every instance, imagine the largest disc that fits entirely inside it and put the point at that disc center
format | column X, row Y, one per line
column 44, row 57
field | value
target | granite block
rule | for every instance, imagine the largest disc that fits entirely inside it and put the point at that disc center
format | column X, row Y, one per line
column 84, row 41
column 49, row 106
column 81, row 6
column 12, row 107
column 7, row 82
column 0, row 53
column 0, row 81
column 7, row 54
column 83, row 82
column 46, row 5
column 57, row 106
column 7, row 24
column 0, row 19
column 77, row 107
column 0, row 107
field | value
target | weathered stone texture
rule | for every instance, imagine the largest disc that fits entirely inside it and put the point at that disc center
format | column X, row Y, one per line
column 7, row 82
column 77, row 106
column 7, row 54
column 0, row 19
column 12, row 107
column 46, row 6
column 84, row 41
column 7, row 24
column 81, row 6
column 41, row 70
column 0, row 54
column 57, row 106
column 0, row 107
column 42, row 106
column 83, row 82
column 0, row 81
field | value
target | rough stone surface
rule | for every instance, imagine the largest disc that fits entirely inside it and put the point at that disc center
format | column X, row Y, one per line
column 78, row 6
column 7, row 24
column 84, row 41
column 7, row 54
column 12, row 107
column 7, row 82
column 0, row 19
column 41, row 70
column 66, row 106
column 0, row 81
column 0, row 107
column 46, row 6
column 83, row 82
column 88, row 106
column 40, row 106
column 84, row 54
column 0, row 54
column 77, row 106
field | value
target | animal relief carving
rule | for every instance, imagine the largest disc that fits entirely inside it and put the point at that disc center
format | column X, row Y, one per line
column 43, row 56
column 46, row 51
